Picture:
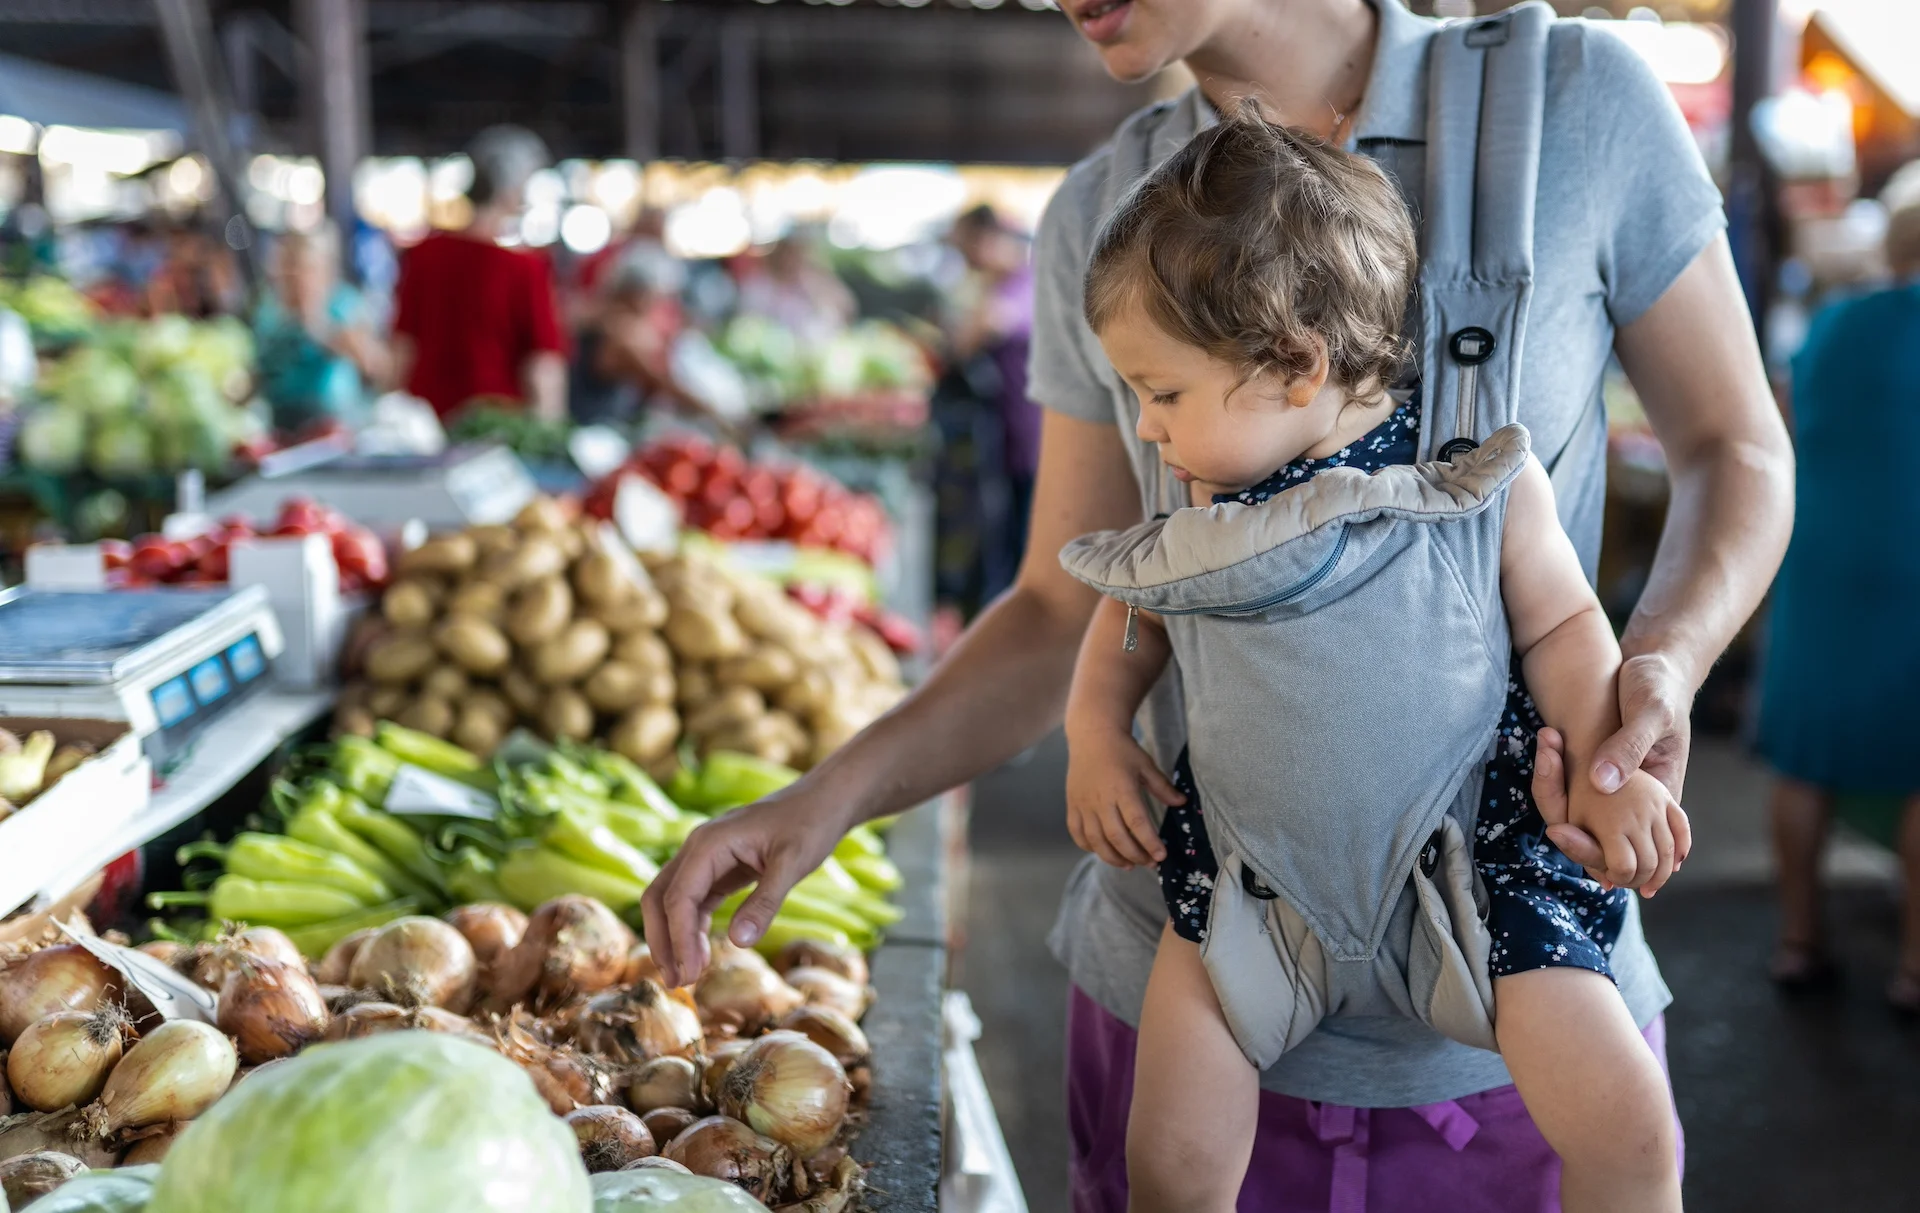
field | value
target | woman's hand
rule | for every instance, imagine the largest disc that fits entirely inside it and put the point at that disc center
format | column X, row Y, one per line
column 1108, row 779
column 1672, row 838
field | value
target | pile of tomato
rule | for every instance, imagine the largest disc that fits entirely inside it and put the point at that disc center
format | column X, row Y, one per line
column 720, row 492
column 204, row 559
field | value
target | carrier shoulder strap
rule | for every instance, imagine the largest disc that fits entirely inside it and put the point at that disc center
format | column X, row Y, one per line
column 1486, row 99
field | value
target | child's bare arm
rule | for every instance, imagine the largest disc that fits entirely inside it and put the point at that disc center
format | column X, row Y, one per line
column 1572, row 661
column 1107, row 771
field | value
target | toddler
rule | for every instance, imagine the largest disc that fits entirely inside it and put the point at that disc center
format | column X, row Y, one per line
column 1358, row 635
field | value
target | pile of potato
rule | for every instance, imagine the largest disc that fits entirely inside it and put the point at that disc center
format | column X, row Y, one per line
column 552, row 623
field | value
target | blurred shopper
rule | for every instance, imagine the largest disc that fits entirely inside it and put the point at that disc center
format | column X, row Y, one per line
column 196, row 277
column 473, row 318
column 625, row 355
column 1630, row 258
column 995, row 327
column 793, row 286
column 1843, row 654
column 318, row 357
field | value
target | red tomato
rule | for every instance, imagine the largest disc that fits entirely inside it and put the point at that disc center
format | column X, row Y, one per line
column 360, row 555
column 216, row 564
column 729, row 462
column 829, row 524
column 682, row 478
column 720, row 490
column 737, row 516
column 760, row 486
column 768, row 517
column 300, row 516
column 154, row 558
column 801, row 498
column 115, row 553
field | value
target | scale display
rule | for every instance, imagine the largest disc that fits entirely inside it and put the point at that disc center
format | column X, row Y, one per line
column 90, row 636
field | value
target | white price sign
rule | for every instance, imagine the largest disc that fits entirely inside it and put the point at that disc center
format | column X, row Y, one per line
column 417, row 792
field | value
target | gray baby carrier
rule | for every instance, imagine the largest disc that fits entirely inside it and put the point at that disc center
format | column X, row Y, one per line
column 1342, row 647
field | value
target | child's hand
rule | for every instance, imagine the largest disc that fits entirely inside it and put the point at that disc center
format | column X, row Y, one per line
column 1635, row 829
column 1550, row 796
column 1106, row 810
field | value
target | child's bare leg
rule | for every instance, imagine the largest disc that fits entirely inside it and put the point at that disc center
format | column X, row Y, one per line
column 1195, row 1095
column 1594, row 1088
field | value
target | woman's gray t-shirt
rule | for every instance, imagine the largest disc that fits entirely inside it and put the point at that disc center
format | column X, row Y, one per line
column 1624, row 204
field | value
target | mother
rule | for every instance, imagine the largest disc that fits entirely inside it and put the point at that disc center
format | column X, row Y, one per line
column 1629, row 259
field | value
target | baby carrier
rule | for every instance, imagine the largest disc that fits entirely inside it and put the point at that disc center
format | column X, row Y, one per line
column 1358, row 615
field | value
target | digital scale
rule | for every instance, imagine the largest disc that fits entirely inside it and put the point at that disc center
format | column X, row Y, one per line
column 461, row 486
column 166, row 661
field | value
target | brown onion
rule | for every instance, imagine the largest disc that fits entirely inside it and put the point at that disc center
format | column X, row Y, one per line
column 668, row 1123
column 722, row 1148
column 788, row 1088
column 154, row 1148
column 368, row 1019
column 271, row 1009
column 262, row 943
column 418, row 961
column 720, row 1058
column 832, row 1031
column 175, row 1072
column 664, row 1082
column 565, row 1078
column 655, row 1163
column 637, row 1024
column 491, row 929
column 166, row 951
column 64, row 977
column 825, row 988
column 336, row 967
column 65, row 1058
column 745, row 995
column 641, row 966
column 819, row 954
column 573, row 945
column 31, row 1176
column 610, row 1137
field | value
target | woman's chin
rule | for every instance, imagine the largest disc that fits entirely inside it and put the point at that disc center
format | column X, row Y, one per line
column 1133, row 64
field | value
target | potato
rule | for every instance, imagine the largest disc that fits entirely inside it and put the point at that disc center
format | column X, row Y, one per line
column 354, row 720
column 481, row 599
column 490, row 701
column 580, row 647
column 616, row 686
column 478, row 646
column 701, row 635
column 644, row 650
column 566, row 715
column 874, row 655
column 428, row 713
column 601, row 578
column 572, row 542
column 449, row 682
column 694, row 685
column 784, row 726
column 539, row 611
column 766, row 667
column 663, row 769
column 385, row 702
column 453, row 553
column 657, row 686
column 400, row 657
column 770, row 615
column 408, row 604
column 477, row 730
column 807, row 694
column 522, row 693
column 537, row 556
column 645, row 735
column 733, row 707
column 759, row 737
column 640, row 609
column 492, row 540
column 541, row 514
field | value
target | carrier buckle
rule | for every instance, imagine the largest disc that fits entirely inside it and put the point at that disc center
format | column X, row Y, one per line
column 1254, row 885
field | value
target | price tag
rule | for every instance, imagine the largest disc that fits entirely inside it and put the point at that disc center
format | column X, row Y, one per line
column 174, row 995
column 597, row 450
column 418, row 792
column 647, row 518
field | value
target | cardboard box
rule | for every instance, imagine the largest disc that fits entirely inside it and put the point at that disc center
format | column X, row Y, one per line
column 96, row 799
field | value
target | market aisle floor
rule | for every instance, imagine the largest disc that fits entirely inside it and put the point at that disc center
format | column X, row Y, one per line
column 1789, row 1104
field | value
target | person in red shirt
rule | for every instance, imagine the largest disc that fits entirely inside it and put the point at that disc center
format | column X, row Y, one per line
column 473, row 318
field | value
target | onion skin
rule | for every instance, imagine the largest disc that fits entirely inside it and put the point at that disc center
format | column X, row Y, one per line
column 611, row 1138
column 418, row 961
column 744, row 995
column 817, row 954
column 833, row 1032
column 668, row 1123
column 31, row 1176
column 565, row 1078
column 722, row 1148
column 665, row 1082
column 153, row 1149
column 720, row 1059
column 491, row 930
column 336, row 966
column 271, row 1010
column 825, row 988
column 64, row 977
column 641, row 966
column 788, row 1088
column 264, row 943
column 64, row 1059
column 367, row 1019
column 175, row 1072
column 573, row 945
column 163, row 950
column 637, row 1024
column 655, row 1163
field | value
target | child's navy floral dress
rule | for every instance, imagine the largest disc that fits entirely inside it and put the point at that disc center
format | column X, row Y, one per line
column 1543, row 912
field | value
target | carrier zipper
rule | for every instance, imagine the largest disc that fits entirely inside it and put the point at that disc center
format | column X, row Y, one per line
column 1132, row 640
column 1293, row 591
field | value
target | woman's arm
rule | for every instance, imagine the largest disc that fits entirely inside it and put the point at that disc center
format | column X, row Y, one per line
column 543, row 379
column 997, row 692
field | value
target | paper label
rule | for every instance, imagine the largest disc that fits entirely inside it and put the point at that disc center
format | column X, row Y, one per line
column 173, row 994
column 419, row 792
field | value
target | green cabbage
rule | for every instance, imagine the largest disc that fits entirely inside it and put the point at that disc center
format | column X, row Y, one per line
column 121, row 446
column 657, row 1190
column 123, row 1191
column 54, row 440
column 93, row 380
column 403, row 1122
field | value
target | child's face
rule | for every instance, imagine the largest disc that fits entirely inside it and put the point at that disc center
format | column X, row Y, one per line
column 1211, row 432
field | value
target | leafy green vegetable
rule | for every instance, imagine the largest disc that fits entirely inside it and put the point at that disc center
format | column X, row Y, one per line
column 657, row 1190
column 404, row 1122
column 54, row 440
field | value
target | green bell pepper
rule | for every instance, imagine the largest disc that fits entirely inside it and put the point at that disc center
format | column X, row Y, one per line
column 275, row 857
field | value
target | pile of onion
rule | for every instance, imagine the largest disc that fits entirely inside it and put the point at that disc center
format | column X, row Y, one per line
column 744, row 994
column 789, row 1088
column 64, row 1059
column 417, row 961
column 175, row 1072
column 65, row 977
column 491, row 930
column 664, row 1082
column 271, row 1009
column 836, row 958
column 722, row 1148
column 826, row 988
column 31, row 1176
column 668, row 1123
column 573, row 945
column 833, row 1032
column 611, row 1138
column 637, row 1024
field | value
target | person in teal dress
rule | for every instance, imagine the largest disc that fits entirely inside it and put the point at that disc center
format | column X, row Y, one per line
column 318, row 358
column 1840, row 689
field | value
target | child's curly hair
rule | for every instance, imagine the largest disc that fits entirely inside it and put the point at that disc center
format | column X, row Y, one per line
column 1252, row 241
